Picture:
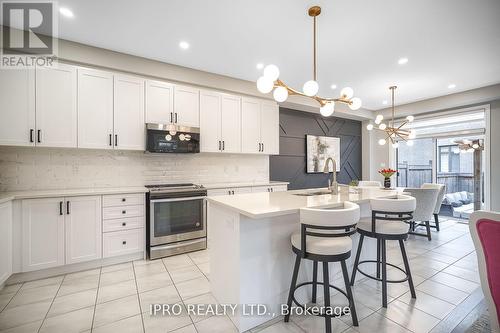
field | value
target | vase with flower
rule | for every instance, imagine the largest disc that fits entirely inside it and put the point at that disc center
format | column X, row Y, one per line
column 387, row 173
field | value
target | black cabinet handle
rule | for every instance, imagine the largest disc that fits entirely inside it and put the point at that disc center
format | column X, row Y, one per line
column 220, row 145
column 31, row 134
column 171, row 117
column 111, row 139
column 223, row 145
column 39, row 136
column 229, row 192
column 60, row 207
column 124, row 199
column 124, row 212
column 233, row 192
column 262, row 146
column 124, row 242
column 68, row 207
column 272, row 189
column 124, row 224
column 116, row 139
column 176, row 117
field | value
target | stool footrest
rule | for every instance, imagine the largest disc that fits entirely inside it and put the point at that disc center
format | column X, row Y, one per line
column 319, row 283
column 379, row 279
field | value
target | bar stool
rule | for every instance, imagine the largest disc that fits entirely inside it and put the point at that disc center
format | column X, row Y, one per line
column 388, row 222
column 324, row 237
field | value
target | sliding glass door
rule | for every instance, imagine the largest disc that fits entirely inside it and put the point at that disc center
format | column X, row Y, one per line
column 415, row 163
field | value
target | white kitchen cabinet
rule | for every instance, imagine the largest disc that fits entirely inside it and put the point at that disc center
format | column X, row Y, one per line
column 269, row 127
column 259, row 126
column 5, row 241
column 220, row 122
column 95, row 109
column 186, row 106
column 17, row 107
column 210, row 122
column 250, row 125
column 83, row 228
column 159, row 102
column 229, row 191
column 269, row 188
column 56, row 106
column 123, row 242
column 42, row 233
column 231, row 123
column 129, row 125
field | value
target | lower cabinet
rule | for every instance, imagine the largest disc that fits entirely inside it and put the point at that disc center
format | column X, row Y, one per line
column 270, row 188
column 122, row 242
column 248, row 189
column 5, row 241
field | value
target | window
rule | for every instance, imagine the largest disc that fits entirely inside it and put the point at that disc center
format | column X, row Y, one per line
column 449, row 159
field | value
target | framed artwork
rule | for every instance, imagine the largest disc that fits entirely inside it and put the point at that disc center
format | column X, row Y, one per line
column 318, row 149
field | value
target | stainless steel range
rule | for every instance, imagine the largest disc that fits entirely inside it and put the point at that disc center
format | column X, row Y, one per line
column 177, row 219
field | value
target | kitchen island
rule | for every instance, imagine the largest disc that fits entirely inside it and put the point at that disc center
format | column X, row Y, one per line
column 251, row 260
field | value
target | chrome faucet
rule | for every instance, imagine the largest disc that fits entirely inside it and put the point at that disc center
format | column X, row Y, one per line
column 333, row 186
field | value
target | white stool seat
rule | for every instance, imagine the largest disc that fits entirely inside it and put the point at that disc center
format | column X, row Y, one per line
column 323, row 245
column 384, row 227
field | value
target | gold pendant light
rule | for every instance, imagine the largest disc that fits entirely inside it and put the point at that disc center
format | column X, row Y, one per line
column 270, row 80
column 394, row 134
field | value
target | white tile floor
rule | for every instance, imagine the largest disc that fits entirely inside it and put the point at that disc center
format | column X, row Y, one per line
column 117, row 298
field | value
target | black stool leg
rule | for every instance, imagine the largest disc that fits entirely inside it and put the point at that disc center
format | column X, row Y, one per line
column 436, row 221
column 356, row 261
column 326, row 289
column 348, row 290
column 384, row 274
column 292, row 286
column 407, row 268
column 428, row 227
column 378, row 258
column 315, row 280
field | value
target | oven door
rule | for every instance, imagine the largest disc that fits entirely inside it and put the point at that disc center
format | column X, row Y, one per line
column 177, row 219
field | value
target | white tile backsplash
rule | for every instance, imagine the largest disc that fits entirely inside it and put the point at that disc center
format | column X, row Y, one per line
column 26, row 168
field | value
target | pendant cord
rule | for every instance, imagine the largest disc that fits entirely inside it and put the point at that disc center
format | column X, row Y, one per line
column 314, row 48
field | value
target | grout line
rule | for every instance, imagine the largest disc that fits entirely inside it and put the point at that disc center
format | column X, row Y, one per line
column 15, row 294
column 51, row 304
column 96, row 298
column 138, row 299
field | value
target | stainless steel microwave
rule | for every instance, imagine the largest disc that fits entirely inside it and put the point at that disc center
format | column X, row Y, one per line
column 170, row 138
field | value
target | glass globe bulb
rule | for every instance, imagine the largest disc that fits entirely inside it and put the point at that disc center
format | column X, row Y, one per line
column 168, row 137
column 347, row 93
column 382, row 142
column 187, row 137
column 272, row 72
column 395, row 145
column 409, row 143
column 382, row 126
column 355, row 103
column 172, row 132
column 327, row 109
column 410, row 118
column 181, row 137
column 310, row 88
column 280, row 94
column 379, row 119
column 265, row 85
column 475, row 146
column 369, row 127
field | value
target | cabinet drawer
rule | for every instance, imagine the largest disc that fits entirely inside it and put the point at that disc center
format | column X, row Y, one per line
column 122, row 242
column 122, row 200
column 123, row 224
column 121, row 212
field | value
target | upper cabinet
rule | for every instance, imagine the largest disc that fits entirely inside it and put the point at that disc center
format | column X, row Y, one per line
column 220, row 122
column 260, row 126
column 186, row 106
column 17, row 107
column 129, row 129
column 159, row 102
column 56, row 114
column 95, row 109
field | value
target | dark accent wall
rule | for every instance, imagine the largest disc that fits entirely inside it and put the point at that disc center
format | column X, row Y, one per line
column 290, row 164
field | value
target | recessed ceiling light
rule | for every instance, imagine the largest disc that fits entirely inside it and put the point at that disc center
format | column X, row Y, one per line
column 402, row 61
column 184, row 45
column 260, row 65
column 452, row 86
column 384, row 102
column 333, row 86
column 66, row 12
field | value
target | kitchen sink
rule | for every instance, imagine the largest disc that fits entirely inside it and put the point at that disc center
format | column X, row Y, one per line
column 307, row 194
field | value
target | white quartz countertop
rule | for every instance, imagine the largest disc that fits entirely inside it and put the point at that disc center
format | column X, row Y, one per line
column 32, row 194
column 269, row 204
column 214, row 186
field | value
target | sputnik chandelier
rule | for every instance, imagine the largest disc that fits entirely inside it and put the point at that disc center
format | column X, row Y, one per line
column 470, row 145
column 270, row 80
column 394, row 134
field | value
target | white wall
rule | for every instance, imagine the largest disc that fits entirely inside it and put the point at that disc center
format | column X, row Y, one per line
column 48, row 168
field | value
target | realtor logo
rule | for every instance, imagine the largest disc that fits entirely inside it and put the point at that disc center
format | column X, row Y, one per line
column 27, row 33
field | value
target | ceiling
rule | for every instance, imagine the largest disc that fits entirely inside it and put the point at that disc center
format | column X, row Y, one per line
column 360, row 41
